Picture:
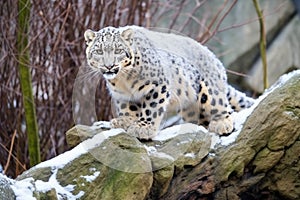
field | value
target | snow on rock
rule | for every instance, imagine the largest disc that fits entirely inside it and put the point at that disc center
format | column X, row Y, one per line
column 24, row 188
column 240, row 117
column 176, row 130
column 90, row 178
column 62, row 192
column 61, row 160
column 190, row 155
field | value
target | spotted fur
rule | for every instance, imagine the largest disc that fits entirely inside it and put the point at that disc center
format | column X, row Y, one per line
column 149, row 73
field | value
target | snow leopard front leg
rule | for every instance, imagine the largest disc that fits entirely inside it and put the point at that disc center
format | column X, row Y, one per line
column 144, row 123
column 126, row 113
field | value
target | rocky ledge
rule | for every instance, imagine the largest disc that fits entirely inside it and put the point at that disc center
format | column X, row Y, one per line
column 185, row 161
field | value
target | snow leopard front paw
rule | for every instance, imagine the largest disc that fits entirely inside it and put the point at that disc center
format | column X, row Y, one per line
column 122, row 122
column 222, row 126
column 142, row 131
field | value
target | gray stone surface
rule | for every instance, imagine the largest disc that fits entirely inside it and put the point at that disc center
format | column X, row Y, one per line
column 237, row 44
column 282, row 56
column 244, row 39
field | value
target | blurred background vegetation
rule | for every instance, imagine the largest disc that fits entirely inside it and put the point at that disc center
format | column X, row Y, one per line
column 57, row 50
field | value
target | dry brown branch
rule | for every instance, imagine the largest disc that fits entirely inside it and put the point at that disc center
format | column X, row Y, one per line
column 188, row 20
column 265, row 14
column 10, row 151
column 213, row 21
column 237, row 73
column 14, row 157
column 211, row 34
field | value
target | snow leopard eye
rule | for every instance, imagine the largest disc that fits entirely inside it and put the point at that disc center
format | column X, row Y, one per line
column 118, row 51
column 99, row 51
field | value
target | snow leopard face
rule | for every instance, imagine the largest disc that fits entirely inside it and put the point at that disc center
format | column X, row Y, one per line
column 108, row 50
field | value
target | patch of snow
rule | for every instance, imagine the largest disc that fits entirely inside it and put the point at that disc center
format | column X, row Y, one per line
column 90, row 178
column 171, row 121
column 150, row 149
column 282, row 80
column 183, row 142
column 173, row 131
column 63, row 192
column 61, row 160
column 42, row 186
column 101, row 124
column 24, row 189
column 190, row 155
column 291, row 115
column 93, row 169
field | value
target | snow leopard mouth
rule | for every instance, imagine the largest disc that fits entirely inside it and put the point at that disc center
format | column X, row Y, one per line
column 111, row 74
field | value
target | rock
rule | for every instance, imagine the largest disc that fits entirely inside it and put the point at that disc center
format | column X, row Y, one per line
column 262, row 163
column 266, row 159
column 114, row 165
column 6, row 192
column 267, row 145
column 183, row 150
column 79, row 133
column 48, row 195
column 161, row 181
column 98, row 181
column 42, row 174
column 282, row 56
column 125, row 151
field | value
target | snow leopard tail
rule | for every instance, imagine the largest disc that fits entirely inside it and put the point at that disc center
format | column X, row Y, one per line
column 238, row 100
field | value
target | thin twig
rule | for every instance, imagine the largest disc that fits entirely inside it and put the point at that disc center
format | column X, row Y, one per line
column 219, row 23
column 266, row 14
column 262, row 42
column 204, row 35
column 10, row 151
column 237, row 73
column 10, row 154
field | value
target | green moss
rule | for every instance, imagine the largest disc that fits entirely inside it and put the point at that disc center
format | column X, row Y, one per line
column 266, row 159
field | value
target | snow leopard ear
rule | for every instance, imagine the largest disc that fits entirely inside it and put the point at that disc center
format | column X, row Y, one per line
column 127, row 35
column 89, row 36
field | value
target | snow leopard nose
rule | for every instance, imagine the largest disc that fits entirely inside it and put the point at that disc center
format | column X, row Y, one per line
column 109, row 67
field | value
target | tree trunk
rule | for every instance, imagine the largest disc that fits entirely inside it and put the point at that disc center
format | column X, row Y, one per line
column 26, row 83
